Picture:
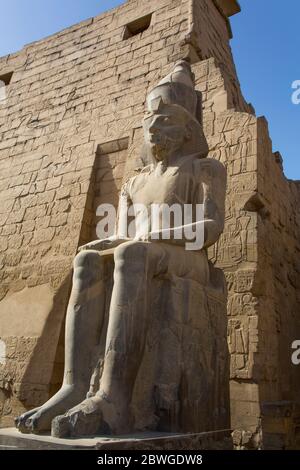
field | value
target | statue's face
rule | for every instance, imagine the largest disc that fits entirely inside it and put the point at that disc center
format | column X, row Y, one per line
column 165, row 130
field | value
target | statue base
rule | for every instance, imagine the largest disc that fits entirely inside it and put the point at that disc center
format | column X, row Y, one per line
column 12, row 439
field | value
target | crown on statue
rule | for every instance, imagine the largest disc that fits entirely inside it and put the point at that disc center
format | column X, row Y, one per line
column 177, row 88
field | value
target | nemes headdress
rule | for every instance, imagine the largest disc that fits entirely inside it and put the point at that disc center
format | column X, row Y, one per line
column 177, row 88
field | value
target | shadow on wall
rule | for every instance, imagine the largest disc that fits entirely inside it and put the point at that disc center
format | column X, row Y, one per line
column 32, row 320
column 33, row 351
column 105, row 184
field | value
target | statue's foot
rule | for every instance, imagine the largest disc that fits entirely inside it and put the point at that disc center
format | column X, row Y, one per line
column 20, row 421
column 84, row 419
column 39, row 421
column 94, row 416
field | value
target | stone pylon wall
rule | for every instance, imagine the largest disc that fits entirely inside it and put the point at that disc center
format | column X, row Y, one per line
column 70, row 132
column 259, row 253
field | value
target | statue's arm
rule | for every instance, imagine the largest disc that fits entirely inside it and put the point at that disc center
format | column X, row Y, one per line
column 211, row 180
column 122, row 222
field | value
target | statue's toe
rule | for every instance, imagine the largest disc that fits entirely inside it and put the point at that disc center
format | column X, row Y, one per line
column 30, row 424
column 20, row 425
column 34, row 424
column 37, row 424
column 20, row 422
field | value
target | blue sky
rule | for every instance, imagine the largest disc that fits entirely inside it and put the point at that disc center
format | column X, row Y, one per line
column 266, row 47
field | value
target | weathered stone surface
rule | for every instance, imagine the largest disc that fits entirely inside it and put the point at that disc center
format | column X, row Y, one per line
column 83, row 88
column 280, row 422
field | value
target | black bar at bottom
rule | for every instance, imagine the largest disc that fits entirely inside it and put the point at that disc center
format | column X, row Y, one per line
column 134, row 459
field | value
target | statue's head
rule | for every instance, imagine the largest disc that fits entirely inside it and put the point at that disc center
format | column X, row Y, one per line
column 166, row 129
column 170, row 124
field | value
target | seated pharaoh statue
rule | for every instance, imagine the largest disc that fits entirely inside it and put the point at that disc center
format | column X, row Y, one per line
column 145, row 343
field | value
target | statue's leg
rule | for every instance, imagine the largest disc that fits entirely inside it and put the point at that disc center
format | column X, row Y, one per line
column 109, row 411
column 83, row 326
column 135, row 266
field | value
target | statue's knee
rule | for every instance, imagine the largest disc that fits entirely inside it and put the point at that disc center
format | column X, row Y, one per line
column 131, row 253
column 87, row 260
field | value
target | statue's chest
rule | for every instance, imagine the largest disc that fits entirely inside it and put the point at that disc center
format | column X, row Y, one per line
column 166, row 188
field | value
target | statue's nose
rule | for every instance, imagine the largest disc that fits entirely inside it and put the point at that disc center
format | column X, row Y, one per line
column 153, row 127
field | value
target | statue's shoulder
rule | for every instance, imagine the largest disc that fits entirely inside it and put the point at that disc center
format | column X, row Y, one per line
column 138, row 179
column 209, row 168
column 142, row 172
column 145, row 169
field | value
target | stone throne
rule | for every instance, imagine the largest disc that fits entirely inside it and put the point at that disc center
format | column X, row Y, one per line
column 158, row 358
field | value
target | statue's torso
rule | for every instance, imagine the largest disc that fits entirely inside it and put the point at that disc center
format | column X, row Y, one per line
column 171, row 185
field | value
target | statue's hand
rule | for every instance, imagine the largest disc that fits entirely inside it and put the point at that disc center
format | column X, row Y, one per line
column 101, row 245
